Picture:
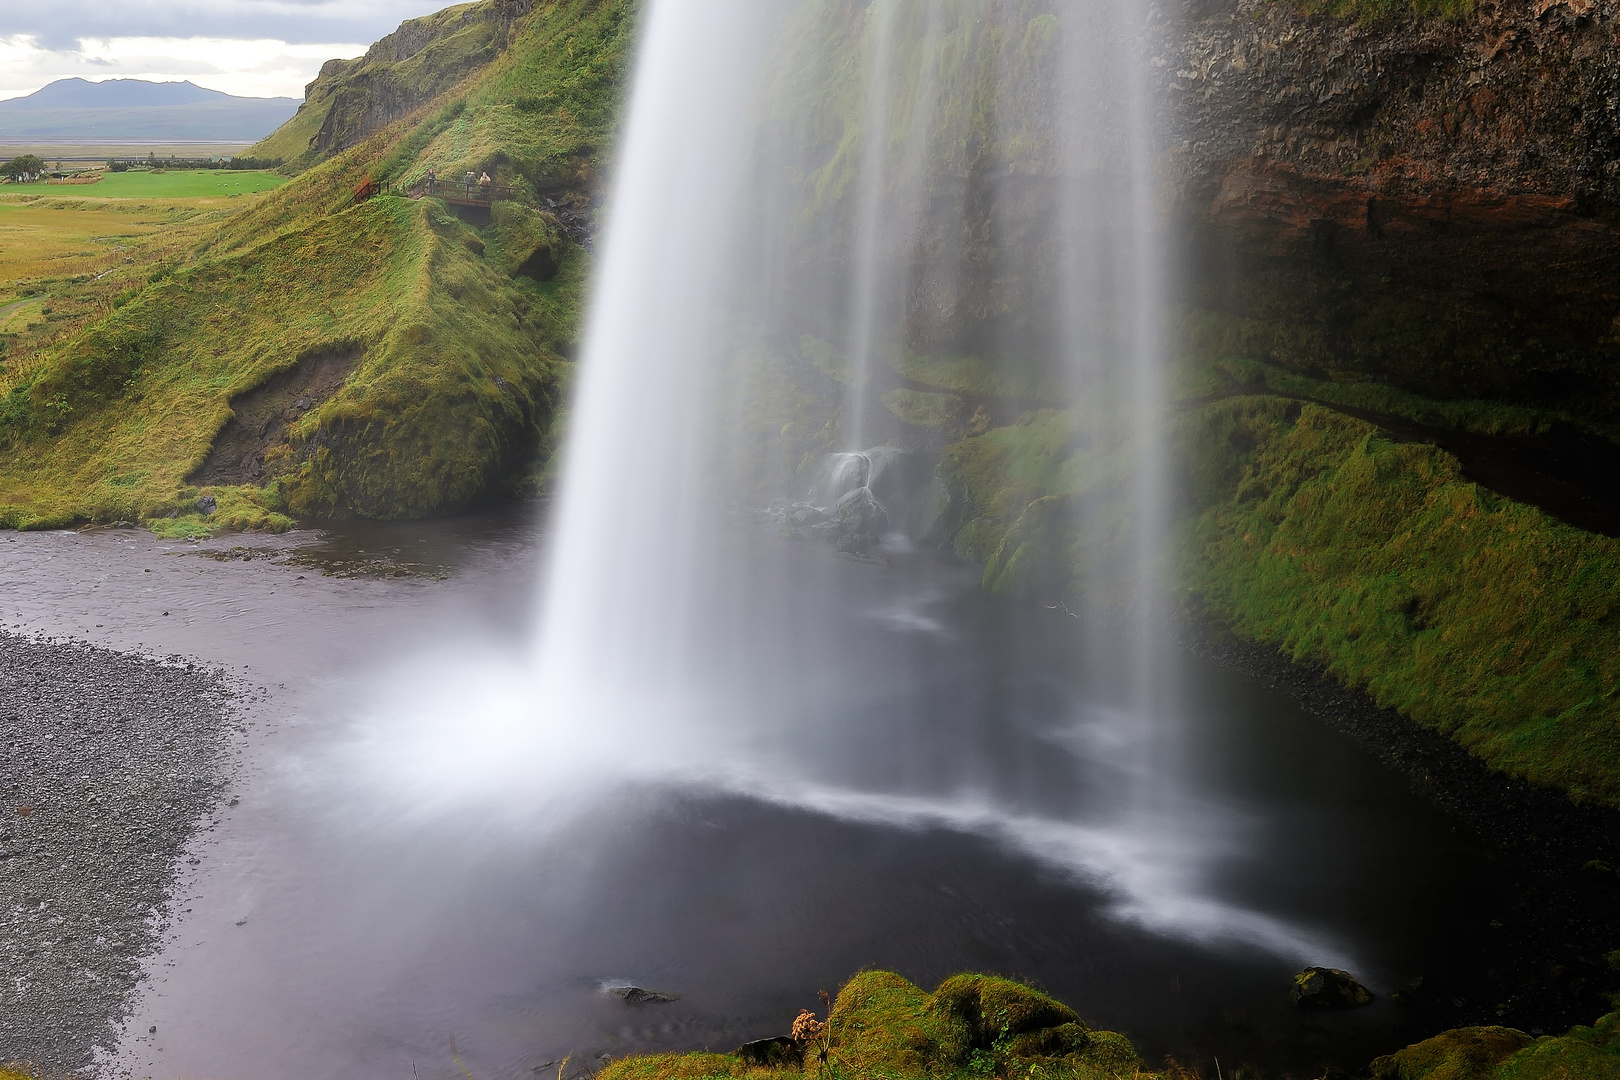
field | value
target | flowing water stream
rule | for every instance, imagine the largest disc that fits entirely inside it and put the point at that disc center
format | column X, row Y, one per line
column 934, row 790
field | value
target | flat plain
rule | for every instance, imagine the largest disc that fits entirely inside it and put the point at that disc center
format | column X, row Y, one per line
column 68, row 252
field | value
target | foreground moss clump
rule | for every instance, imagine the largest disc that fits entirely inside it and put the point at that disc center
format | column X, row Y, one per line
column 1498, row 1053
column 881, row 1025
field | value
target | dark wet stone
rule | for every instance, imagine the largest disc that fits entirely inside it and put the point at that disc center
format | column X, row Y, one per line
column 805, row 515
column 1329, row 988
column 635, row 995
column 775, row 1051
column 861, row 520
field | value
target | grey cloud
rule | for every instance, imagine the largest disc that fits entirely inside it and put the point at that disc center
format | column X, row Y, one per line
column 58, row 26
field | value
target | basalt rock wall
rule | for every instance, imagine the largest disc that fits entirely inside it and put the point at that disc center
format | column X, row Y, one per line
column 351, row 100
column 1432, row 203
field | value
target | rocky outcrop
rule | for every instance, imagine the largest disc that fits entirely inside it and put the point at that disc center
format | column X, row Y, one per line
column 409, row 67
column 351, row 100
column 1427, row 202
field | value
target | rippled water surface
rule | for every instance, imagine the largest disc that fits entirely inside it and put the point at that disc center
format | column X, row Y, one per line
column 426, row 863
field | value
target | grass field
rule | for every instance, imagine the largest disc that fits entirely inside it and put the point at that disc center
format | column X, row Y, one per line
column 59, row 238
column 179, row 184
column 95, row 152
column 69, row 254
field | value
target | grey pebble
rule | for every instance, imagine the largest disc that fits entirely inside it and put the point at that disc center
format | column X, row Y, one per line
column 111, row 762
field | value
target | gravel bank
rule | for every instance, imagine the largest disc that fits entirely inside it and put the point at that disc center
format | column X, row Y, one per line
column 109, row 764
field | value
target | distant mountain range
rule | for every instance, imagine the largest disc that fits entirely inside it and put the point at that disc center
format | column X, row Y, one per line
column 137, row 109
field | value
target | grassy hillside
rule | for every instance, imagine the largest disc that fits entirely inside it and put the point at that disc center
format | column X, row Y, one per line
column 428, row 356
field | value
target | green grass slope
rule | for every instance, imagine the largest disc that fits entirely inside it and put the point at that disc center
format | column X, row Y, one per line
column 1298, row 526
column 456, row 351
column 1468, row 612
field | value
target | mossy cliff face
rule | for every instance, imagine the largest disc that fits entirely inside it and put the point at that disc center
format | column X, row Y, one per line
column 1410, row 212
column 434, row 348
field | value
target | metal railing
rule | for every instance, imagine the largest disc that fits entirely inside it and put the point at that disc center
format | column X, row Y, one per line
column 460, row 192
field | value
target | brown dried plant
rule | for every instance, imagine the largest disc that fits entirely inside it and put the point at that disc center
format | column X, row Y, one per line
column 806, row 1028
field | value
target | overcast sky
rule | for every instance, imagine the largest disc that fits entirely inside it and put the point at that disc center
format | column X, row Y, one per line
column 256, row 48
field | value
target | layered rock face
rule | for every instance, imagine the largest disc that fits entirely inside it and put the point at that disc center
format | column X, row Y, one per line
column 351, row 100
column 370, row 92
column 1425, row 202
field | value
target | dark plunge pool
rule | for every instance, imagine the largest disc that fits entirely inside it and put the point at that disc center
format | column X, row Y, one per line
column 928, row 779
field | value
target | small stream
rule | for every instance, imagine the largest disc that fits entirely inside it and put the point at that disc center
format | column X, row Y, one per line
column 408, row 879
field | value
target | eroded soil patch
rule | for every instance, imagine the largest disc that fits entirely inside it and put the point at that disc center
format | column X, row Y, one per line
column 263, row 415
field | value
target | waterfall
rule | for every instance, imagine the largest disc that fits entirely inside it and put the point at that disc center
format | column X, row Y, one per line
column 841, row 238
column 896, row 216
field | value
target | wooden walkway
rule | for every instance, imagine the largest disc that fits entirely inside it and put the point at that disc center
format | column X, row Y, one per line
column 456, row 192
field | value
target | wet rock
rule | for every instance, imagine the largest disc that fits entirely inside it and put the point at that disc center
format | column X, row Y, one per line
column 1329, row 988
column 805, row 515
column 635, row 995
column 775, row 1051
column 207, row 505
column 861, row 520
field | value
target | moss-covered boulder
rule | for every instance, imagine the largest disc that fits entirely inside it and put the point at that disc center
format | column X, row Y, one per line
column 1471, row 1053
column 882, row 1025
column 994, row 1009
column 1502, row 1053
column 1329, row 988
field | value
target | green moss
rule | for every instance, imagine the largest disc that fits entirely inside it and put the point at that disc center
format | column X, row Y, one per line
column 1498, row 1053
column 993, row 1010
column 1471, row 614
column 1584, row 1053
column 921, row 409
column 1463, row 1054
column 1227, row 373
column 684, row 1067
column 449, row 45
column 974, row 1027
column 1003, row 377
